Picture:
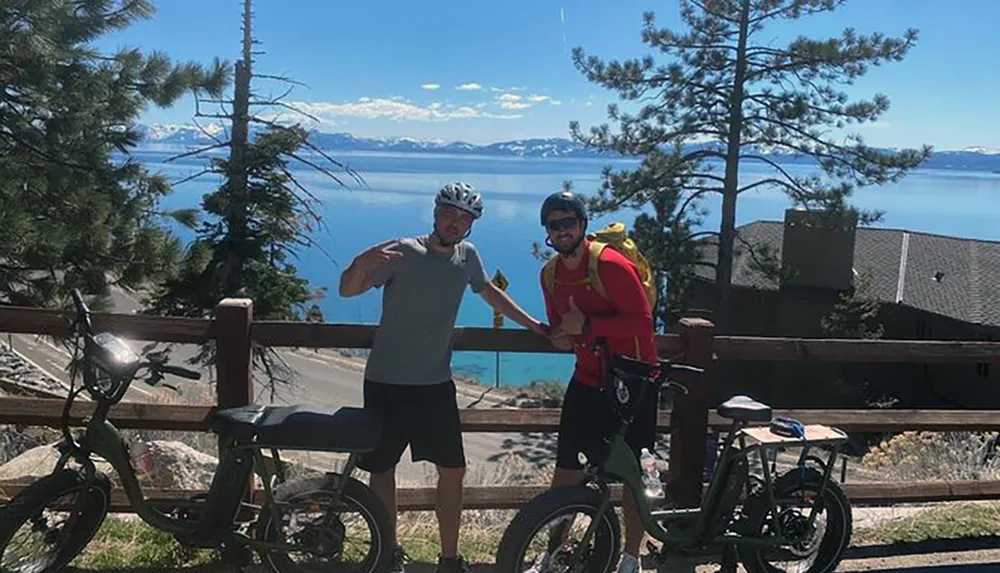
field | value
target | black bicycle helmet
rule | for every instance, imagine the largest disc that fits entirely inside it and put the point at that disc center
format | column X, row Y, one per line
column 564, row 201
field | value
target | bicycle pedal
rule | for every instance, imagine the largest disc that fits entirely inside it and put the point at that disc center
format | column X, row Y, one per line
column 656, row 554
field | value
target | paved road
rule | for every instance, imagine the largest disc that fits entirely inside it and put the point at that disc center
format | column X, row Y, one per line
column 324, row 378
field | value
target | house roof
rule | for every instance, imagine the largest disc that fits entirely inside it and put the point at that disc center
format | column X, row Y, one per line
column 952, row 276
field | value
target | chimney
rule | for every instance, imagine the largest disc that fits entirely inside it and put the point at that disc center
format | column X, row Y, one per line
column 817, row 251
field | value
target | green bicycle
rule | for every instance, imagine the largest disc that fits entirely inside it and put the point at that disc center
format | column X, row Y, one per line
column 776, row 519
column 310, row 507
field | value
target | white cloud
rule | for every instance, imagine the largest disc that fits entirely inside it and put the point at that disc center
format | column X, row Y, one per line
column 430, row 86
column 541, row 98
column 470, row 87
column 396, row 109
column 514, row 105
column 513, row 89
column 509, row 97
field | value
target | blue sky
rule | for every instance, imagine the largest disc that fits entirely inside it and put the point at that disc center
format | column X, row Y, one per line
column 491, row 71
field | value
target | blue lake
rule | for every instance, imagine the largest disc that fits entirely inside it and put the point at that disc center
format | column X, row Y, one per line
column 397, row 200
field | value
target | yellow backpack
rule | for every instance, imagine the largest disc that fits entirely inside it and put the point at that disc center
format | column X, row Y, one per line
column 615, row 236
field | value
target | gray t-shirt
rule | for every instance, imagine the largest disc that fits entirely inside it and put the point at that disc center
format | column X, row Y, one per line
column 421, row 293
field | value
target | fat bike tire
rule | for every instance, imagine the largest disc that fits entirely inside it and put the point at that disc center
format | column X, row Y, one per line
column 28, row 505
column 314, row 490
column 548, row 506
column 839, row 521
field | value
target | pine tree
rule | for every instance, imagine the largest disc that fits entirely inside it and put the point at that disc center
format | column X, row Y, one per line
column 728, row 95
column 76, row 210
column 254, row 223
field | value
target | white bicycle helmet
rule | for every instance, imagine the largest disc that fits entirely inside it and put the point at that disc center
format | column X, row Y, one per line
column 462, row 196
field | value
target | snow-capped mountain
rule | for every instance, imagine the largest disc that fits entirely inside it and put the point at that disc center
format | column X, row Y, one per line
column 180, row 133
column 970, row 158
column 982, row 150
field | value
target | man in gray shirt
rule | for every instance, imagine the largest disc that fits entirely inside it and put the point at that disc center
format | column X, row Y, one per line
column 408, row 377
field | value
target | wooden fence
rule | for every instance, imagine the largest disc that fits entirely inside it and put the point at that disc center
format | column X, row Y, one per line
column 689, row 422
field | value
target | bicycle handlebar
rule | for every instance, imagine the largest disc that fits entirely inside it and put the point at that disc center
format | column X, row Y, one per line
column 82, row 312
column 180, row 371
column 110, row 355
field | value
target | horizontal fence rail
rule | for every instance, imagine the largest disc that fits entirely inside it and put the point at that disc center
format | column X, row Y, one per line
column 18, row 320
column 234, row 331
column 194, row 418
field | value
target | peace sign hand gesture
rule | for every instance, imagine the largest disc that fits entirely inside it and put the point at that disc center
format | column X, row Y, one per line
column 378, row 255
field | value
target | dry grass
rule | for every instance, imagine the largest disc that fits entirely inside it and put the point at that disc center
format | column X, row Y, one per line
column 130, row 543
column 957, row 521
column 480, row 529
column 913, row 456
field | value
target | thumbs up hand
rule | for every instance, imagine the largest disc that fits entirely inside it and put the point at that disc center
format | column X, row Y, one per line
column 572, row 322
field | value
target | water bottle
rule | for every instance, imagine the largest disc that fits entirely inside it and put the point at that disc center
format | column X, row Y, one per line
column 142, row 459
column 651, row 475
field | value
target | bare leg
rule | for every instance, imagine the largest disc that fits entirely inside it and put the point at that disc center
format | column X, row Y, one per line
column 449, row 508
column 384, row 486
column 634, row 530
column 562, row 477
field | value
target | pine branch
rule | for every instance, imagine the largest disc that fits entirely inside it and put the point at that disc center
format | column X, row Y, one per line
column 183, row 180
column 281, row 78
column 196, row 151
column 206, row 133
column 765, row 263
column 704, row 8
column 797, row 10
column 276, row 101
column 306, row 143
column 770, row 162
column 687, row 202
column 791, row 189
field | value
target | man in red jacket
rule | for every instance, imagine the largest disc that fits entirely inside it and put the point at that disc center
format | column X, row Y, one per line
column 579, row 316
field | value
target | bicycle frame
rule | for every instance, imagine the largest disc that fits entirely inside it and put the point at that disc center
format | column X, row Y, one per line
column 619, row 463
column 217, row 514
column 225, row 497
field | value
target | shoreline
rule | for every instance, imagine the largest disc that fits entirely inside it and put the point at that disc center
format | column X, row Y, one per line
column 490, row 396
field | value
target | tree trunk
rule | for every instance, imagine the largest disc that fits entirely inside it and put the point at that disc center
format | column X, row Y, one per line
column 727, row 228
column 238, row 192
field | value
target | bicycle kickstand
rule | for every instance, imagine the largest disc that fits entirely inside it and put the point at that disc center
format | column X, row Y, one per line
column 728, row 563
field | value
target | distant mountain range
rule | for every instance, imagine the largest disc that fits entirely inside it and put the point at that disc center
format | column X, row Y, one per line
column 970, row 158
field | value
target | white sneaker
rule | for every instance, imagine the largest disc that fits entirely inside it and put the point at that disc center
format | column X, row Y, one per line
column 629, row 564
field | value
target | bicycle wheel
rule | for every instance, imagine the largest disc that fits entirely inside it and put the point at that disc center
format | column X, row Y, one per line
column 559, row 507
column 321, row 529
column 817, row 549
column 26, row 509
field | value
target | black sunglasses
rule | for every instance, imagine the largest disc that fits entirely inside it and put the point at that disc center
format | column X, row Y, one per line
column 560, row 224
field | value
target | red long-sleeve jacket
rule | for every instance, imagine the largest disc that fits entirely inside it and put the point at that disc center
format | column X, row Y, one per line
column 624, row 318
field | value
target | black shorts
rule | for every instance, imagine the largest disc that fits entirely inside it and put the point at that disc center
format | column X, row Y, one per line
column 587, row 419
column 422, row 417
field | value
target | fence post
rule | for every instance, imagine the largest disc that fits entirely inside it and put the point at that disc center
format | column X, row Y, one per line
column 689, row 416
column 233, row 317
column 234, row 381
